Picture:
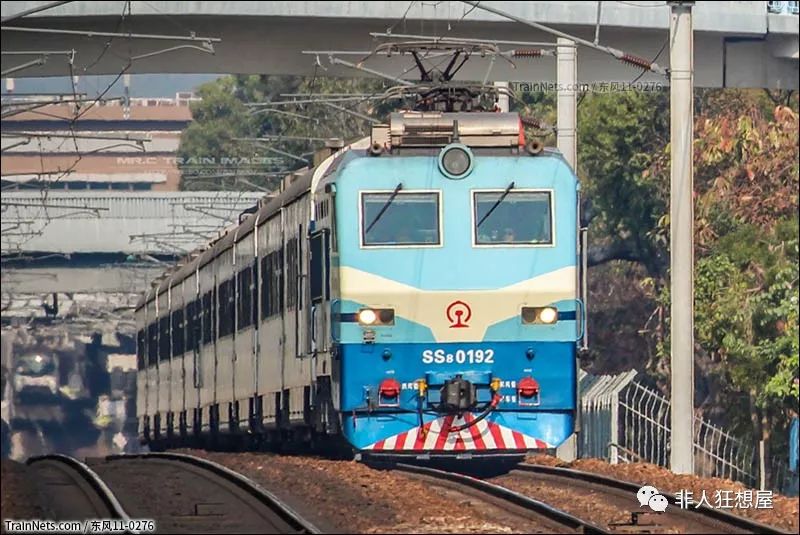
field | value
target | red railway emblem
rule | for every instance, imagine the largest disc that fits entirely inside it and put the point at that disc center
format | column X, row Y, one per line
column 458, row 314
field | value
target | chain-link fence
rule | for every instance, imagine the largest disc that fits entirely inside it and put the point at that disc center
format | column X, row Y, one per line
column 623, row 420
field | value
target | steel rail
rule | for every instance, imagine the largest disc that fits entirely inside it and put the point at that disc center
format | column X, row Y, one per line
column 90, row 476
column 567, row 520
column 736, row 521
column 286, row 513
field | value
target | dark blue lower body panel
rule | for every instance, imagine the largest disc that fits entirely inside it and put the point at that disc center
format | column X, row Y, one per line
column 414, row 420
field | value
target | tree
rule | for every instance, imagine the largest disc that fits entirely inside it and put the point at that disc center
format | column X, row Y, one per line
column 208, row 145
column 746, row 281
column 216, row 143
column 620, row 135
column 746, row 190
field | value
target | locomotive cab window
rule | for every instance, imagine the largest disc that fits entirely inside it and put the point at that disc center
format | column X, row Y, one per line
column 508, row 217
column 398, row 218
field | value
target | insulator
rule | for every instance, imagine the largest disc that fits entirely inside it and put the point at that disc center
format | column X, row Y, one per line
column 530, row 121
column 528, row 53
column 637, row 61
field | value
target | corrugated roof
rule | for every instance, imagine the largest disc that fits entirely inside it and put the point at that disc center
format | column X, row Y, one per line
column 116, row 222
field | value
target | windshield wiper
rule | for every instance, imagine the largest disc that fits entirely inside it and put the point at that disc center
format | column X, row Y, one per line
column 385, row 207
column 495, row 205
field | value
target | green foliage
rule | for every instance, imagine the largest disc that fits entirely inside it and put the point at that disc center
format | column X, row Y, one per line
column 747, row 170
column 219, row 118
column 746, row 311
column 746, row 280
column 215, row 143
column 619, row 136
column 539, row 105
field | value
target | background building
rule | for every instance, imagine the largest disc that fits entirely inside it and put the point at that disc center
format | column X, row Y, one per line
column 113, row 145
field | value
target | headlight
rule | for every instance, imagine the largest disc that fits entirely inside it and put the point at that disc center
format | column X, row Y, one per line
column 376, row 316
column 367, row 316
column 455, row 161
column 539, row 315
column 548, row 315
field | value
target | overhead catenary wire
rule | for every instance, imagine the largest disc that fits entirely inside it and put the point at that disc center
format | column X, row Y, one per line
column 402, row 19
column 463, row 16
column 618, row 54
column 655, row 58
column 22, row 66
column 446, row 39
column 126, row 9
column 338, row 61
column 351, row 112
column 90, row 33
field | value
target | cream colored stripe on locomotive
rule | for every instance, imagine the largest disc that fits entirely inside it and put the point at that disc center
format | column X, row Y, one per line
column 486, row 434
column 508, row 437
column 452, row 438
column 433, row 434
column 390, row 442
column 429, row 308
column 530, row 442
column 411, row 438
column 466, row 437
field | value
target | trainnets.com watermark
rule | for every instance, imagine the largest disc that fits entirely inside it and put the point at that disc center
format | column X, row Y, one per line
column 79, row 526
column 719, row 499
column 590, row 87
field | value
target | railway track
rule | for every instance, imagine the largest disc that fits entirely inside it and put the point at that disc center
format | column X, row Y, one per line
column 73, row 491
column 621, row 496
column 186, row 494
column 535, row 516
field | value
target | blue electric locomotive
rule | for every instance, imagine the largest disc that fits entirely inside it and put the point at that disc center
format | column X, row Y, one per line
column 458, row 308
column 417, row 293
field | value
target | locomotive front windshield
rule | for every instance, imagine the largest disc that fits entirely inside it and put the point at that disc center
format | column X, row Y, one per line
column 401, row 218
column 513, row 218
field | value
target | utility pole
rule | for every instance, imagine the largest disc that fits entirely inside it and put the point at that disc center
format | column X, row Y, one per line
column 502, row 98
column 567, row 80
column 681, row 237
column 567, row 107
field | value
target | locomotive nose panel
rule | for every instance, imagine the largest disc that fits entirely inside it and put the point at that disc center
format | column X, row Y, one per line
column 444, row 389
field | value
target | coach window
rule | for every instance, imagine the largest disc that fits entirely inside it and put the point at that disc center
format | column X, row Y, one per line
column 299, row 274
column 264, row 272
column 177, row 332
column 254, row 293
column 188, row 326
column 276, row 283
column 208, row 317
column 152, row 344
column 272, row 284
column 507, row 217
column 163, row 338
column 245, row 298
column 140, row 341
column 230, row 314
column 222, row 296
column 320, row 266
column 397, row 218
column 291, row 273
column 227, row 307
